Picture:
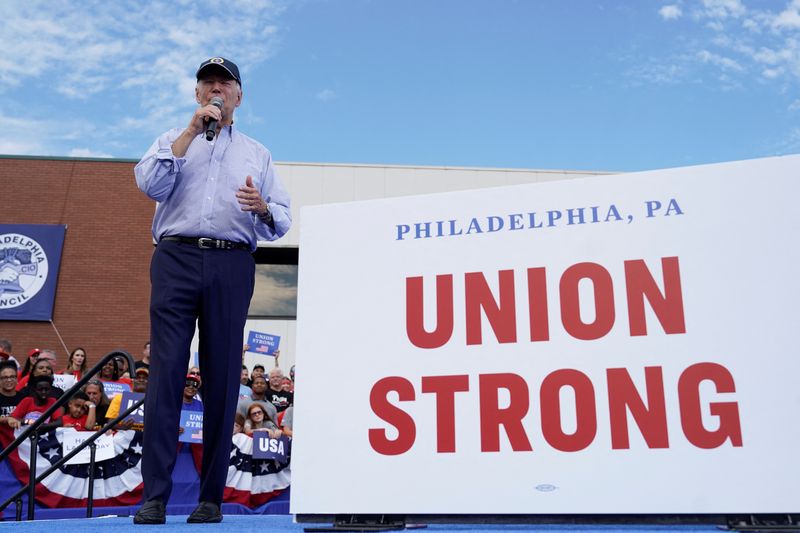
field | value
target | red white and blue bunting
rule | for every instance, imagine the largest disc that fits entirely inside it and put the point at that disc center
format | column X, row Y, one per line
column 118, row 481
column 253, row 482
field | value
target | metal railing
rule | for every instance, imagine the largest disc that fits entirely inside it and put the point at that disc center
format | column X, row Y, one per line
column 32, row 433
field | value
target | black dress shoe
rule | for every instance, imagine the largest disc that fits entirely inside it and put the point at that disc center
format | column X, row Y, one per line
column 152, row 512
column 205, row 513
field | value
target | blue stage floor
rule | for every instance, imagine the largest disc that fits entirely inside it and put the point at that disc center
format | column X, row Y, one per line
column 278, row 523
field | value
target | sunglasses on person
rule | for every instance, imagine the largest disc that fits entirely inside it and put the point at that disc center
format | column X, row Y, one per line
column 193, row 384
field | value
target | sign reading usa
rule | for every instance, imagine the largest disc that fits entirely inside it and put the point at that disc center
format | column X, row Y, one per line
column 616, row 344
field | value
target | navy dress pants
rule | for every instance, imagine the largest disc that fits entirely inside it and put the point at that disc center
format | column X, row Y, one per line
column 213, row 289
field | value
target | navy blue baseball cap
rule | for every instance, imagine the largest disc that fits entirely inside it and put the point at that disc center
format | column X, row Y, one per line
column 220, row 63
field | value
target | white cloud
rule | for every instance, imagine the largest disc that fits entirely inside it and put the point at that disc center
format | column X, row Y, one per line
column 86, row 152
column 326, row 95
column 11, row 146
column 737, row 44
column 143, row 55
column 723, row 9
column 725, row 62
column 670, row 12
column 795, row 106
column 25, row 136
column 751, row 25
column 657, row 73
column 790, row 144
column 788, row 18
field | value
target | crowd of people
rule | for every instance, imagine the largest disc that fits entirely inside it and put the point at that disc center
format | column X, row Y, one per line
column 28, row 389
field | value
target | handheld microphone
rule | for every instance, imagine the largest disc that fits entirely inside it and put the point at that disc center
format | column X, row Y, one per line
column 211, row 127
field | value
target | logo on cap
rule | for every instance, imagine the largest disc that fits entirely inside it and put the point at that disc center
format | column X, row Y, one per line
column 217, row 60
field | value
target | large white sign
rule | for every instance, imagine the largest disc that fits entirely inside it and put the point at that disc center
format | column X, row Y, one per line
column 616, row 344
column 71, row 439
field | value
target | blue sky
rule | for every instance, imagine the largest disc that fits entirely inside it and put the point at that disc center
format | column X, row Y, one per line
column 560, row 84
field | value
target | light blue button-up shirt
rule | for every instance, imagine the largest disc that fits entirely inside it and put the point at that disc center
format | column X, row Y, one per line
column 196, row 194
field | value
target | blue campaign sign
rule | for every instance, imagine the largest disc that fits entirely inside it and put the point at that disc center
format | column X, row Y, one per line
column 263, row 343
column 112, row 388
column 30, row 256
column 192, row 424
column 128, row 399
column 267, row 448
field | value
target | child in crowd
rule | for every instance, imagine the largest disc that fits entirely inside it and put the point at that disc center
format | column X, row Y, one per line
column 238, row 423
column 33, row 407
column 81, row 412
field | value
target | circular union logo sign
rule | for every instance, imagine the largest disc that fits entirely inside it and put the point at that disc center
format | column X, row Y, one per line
column 23, row 269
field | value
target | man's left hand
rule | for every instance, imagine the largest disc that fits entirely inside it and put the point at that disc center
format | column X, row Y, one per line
column 250, row 199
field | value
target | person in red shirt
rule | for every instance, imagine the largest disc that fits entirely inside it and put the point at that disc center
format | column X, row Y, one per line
column 76, row 364
column 81, row 413
column 41, row 367
column 34, row 406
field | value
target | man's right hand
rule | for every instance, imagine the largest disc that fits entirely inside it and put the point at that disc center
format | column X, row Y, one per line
column 196, row 126
column 201, row 116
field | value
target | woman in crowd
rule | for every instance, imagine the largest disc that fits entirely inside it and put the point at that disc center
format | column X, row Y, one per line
column 257, row 420
column 113, row 372
column 76, row 364
column 42, row 367
column 97, row 395
column 28, row 366
column 122, row 365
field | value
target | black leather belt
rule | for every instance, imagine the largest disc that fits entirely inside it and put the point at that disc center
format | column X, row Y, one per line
column 207, row 244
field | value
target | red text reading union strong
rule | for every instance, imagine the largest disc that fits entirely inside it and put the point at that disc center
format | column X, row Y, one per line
column 501, row 312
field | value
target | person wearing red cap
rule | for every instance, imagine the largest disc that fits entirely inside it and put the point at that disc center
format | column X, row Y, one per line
column 218, row 194
column 25, row 370
column 190, row 388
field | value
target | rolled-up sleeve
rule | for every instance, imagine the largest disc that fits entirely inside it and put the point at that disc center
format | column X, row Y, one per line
column 277, row 198
column 157, row 170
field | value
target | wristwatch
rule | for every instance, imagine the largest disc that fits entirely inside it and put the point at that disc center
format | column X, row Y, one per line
column 266, row 217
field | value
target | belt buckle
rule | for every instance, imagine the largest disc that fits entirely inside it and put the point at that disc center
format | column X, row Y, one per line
column 205, row 243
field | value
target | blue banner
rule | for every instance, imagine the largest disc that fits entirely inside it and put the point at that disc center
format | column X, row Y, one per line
column 128, row 399
column 30, row 256
column 267, row 448
column 263, row 343
column 112, row 388
column 192, row 424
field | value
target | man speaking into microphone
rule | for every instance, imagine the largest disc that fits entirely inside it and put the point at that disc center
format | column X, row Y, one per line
column 217, row 194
